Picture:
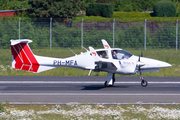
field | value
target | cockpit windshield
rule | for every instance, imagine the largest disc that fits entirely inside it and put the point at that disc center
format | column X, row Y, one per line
column 116, row 54
column 120, row 54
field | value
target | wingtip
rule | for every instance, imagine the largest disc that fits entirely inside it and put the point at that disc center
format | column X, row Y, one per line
column 103, row 40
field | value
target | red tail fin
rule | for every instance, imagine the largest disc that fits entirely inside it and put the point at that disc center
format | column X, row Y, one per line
column 22, row 56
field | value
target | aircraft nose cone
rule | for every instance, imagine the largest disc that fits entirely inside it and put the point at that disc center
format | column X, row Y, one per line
column 163, row 64
column 152, row 63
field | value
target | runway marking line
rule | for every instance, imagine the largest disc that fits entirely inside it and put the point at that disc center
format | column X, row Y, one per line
column 93, row 94
column 95, row 103
column 77, row 82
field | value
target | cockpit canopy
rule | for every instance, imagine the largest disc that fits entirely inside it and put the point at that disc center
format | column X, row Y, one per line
column 115, row 53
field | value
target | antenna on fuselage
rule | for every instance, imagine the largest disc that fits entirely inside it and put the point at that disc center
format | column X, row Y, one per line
column 84, row 48
column 73, row 51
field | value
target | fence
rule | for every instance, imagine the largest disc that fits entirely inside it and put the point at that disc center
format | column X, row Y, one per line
column 51, row 34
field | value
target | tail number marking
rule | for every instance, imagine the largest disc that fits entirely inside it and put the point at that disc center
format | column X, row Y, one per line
column 66, row 62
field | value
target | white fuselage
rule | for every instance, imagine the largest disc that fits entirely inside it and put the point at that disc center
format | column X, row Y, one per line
column 86, row 61
column 82, row 61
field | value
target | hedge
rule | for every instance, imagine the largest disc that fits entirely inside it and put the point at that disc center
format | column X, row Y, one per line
column 99, row 9
column 164, row 8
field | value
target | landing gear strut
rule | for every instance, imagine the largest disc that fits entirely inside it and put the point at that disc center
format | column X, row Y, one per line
column 144, row 83
column 110, row 80
column 105, row 84
column 113, row 78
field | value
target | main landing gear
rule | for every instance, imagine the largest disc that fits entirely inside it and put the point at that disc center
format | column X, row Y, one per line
column 110, row 80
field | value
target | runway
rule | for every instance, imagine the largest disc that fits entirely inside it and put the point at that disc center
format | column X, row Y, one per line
column 83, row 89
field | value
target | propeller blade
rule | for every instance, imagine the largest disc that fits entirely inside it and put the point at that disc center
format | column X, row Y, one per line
column 139, row 68
column 139, row 58
column 141, row 54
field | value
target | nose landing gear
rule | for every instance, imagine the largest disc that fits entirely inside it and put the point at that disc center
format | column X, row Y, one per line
column 144, row 83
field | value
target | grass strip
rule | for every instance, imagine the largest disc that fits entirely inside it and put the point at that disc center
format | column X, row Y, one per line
column 74, row 111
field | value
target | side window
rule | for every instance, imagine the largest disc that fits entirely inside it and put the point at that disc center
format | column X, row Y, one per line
column 114, row 54
column 103, row 54
column 120, row 54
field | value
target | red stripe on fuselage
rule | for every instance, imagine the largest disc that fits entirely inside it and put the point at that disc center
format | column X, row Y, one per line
column 24, row 57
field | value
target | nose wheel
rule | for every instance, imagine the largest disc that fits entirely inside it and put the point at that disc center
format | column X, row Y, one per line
column 144, row 83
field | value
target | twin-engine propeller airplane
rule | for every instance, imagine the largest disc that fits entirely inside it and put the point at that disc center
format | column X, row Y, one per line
column 110, row 60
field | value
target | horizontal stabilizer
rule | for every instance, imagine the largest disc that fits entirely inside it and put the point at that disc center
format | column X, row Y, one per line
column 44, row 68
column 14, row 42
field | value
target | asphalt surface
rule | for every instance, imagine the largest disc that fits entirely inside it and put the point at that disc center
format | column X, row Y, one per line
column 83, row 89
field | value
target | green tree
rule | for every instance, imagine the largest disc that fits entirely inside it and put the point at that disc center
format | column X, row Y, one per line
column 13, row 4
column 164, row 8
column 66, row 9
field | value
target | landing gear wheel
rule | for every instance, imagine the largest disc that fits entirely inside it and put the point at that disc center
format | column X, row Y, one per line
column 105, row 84
column 112, row 84
column 144, row 83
